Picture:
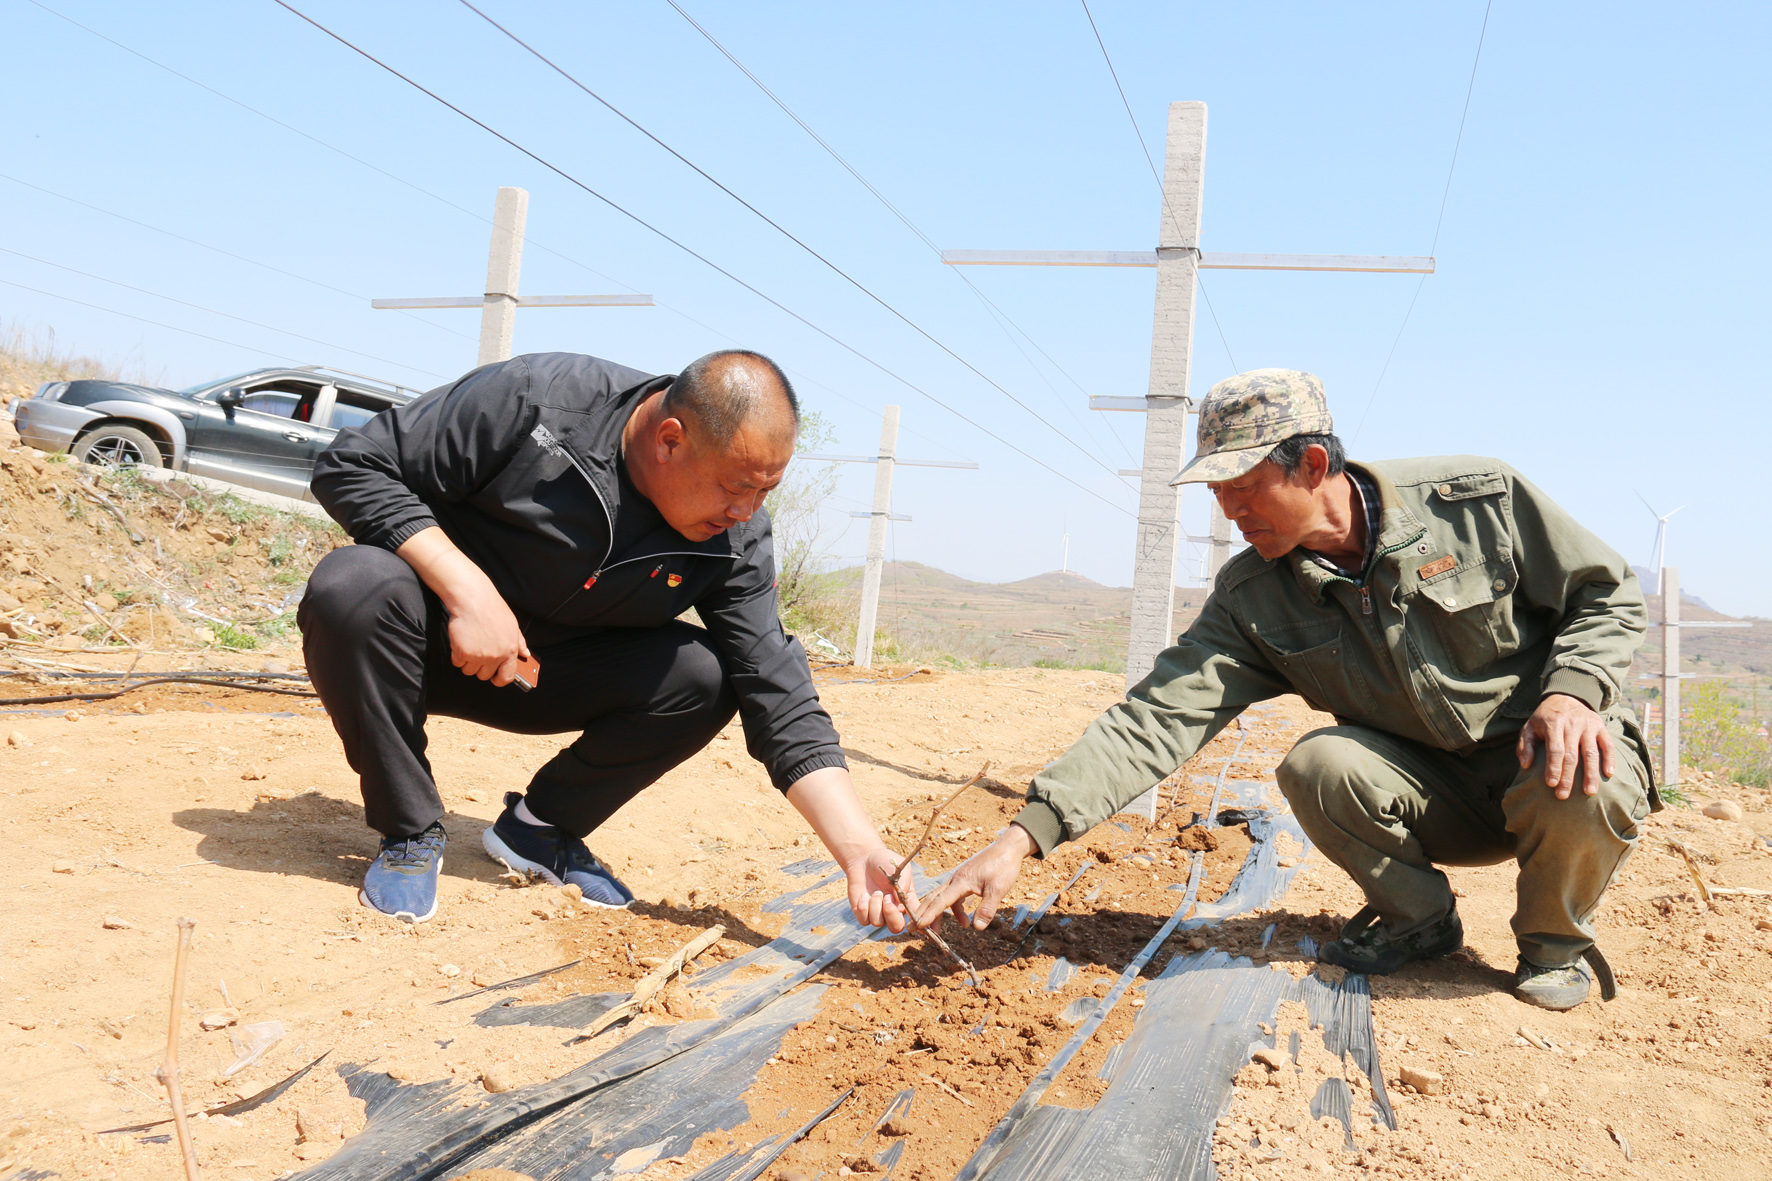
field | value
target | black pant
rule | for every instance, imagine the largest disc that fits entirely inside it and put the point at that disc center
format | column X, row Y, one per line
column 377, row 648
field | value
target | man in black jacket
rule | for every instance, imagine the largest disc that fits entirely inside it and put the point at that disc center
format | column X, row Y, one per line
column 565, row 510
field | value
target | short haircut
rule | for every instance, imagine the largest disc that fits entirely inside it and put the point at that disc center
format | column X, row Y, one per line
column 1290, row 453
column 715, row 394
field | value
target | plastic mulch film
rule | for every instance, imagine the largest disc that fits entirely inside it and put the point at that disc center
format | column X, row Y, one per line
column 424, row 1133
column 1172, row 1078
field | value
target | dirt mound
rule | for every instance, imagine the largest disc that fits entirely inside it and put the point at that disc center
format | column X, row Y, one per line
column 96, row 560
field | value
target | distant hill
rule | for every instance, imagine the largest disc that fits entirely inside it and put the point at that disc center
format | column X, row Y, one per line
column 1652, row 585
column 1058, row 617
column 1069, row 619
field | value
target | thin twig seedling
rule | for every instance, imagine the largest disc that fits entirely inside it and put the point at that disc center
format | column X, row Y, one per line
column 898, row 875
column 168, row 1071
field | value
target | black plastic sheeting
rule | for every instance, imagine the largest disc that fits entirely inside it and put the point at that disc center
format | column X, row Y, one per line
column 1172, row 1078
column 655, row 1093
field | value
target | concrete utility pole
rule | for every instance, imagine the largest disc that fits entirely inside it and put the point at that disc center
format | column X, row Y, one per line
column 504, row 266
column 870, row 576
column 1166, row 405
column 882, row 512
column 1670, row 674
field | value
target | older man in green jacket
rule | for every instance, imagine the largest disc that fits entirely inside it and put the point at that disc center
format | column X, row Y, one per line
column 1470, row 639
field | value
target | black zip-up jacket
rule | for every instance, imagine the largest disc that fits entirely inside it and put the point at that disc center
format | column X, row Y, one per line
column 516, row 462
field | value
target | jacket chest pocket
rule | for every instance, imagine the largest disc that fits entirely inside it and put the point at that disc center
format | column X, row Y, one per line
column 1473, row 612
column 1317, row 661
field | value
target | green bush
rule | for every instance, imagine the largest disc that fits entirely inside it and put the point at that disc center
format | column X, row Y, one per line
column 1715, row 737
column 229, row 636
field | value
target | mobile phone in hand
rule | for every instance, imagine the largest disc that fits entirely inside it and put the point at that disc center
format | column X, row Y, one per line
column 528, row 674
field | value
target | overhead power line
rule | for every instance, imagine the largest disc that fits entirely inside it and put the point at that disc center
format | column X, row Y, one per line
column 693, row 253
column 441, row 200
column 1004, row 317
column 219, row 250
column 788, row 234
column 156, row 323
column 218, row 312
column 1151, row 163
column 1439, row 221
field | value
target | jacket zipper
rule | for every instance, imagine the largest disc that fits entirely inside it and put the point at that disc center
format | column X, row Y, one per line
column 1365, row 584
column 546, row 440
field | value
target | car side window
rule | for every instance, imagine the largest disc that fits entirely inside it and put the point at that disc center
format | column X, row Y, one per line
column 354, row 409
column 283, row 398
column 274, row 402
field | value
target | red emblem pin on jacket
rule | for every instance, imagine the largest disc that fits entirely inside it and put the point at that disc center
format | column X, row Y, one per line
column 674, row 579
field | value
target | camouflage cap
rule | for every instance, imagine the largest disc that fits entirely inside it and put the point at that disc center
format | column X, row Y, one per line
column 1242, row 418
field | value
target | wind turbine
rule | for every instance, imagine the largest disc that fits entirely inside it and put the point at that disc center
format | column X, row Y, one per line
column 1658, row 551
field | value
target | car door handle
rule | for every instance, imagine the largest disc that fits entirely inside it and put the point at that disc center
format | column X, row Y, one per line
column 296, row 436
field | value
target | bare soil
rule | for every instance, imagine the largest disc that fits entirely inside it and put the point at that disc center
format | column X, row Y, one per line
column 236, row 808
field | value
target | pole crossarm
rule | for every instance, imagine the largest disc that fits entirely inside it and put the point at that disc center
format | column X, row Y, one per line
column 964, row 464
column 523, row 301
column 888, row 516
column 1205, row 260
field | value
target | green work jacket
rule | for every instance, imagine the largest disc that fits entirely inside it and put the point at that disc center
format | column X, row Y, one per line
column 1482, row 597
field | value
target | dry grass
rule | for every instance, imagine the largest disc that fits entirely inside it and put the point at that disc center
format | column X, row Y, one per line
column 28, row 358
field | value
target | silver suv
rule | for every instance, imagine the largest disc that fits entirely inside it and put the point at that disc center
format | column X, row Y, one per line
column 262, row 429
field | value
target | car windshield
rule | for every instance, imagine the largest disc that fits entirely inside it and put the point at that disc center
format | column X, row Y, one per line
column 192, row 390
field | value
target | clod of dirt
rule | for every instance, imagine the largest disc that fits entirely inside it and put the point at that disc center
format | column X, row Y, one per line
column 113, row 923
column 1428, row 1082
column 253, row 771
column 859, row 1164
column 14, row 738
column 895, row 1127
column 794, row 1175
column 491, row 1175
column 1197, row 839
column 500, row 1076
column 1724, row 810
column 63, row 867
column 219, row 1018
column 1268, row 1057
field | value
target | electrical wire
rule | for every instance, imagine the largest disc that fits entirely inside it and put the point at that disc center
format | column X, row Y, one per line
column 902, row 217
column 219, row 250
column 1156, row 176
column 786, row 233
column 1439, row 221
column 156, row 323
column 643, row 223
column 529, row 242
column 217, row 312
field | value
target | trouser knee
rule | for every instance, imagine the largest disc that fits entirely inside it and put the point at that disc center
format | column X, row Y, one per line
column 1321, row 778
column 353, row 592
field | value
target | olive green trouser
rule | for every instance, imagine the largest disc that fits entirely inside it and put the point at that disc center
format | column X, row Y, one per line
column 1386, row 809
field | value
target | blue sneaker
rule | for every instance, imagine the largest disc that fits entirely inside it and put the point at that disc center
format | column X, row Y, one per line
column 547, row 852
column 402, row 880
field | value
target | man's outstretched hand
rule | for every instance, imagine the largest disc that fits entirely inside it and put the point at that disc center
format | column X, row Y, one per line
column 826, row 798
column 871, row 894
column 987, row 874
column 1574, row 738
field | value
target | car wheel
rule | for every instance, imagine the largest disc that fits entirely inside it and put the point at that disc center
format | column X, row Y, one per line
column 115, row 445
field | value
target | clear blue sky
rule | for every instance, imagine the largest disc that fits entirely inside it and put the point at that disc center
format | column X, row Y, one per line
column 1597, row 319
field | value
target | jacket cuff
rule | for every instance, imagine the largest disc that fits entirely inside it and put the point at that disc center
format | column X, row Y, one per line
column 401, row 534
column 1575, row 683
column 786, row 779
column 1043, row 824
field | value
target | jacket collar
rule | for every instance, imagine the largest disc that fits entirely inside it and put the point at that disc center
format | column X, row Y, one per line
column 1397, row 526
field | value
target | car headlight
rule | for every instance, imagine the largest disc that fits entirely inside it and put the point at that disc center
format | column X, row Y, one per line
column 50, row 391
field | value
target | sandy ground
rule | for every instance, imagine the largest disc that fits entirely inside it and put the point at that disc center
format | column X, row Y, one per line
column 118, row 823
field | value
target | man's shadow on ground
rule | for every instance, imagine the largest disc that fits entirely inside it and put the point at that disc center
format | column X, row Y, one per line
column 316, row 836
